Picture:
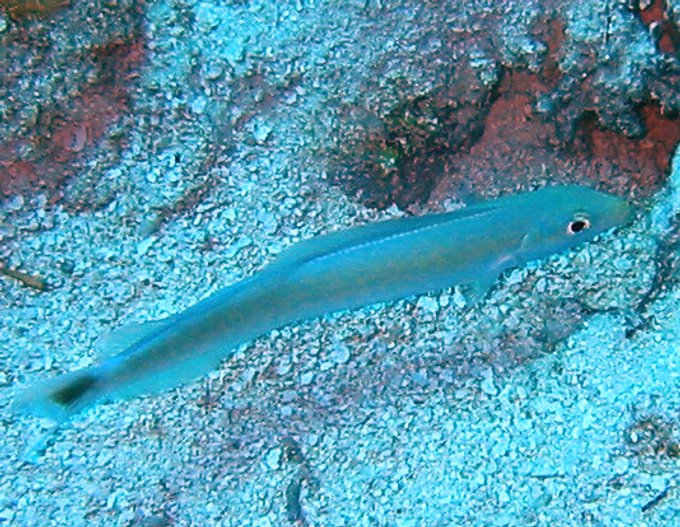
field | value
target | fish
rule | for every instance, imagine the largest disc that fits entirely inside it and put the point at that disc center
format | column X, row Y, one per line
column 343, row 270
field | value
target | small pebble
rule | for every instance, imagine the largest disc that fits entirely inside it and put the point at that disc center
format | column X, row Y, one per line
column 261, row 131
column 306, row 378
column 427, row 304
column 339, row 353
column 487, row 385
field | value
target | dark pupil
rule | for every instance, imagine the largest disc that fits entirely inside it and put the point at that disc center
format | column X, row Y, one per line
column 577, row 226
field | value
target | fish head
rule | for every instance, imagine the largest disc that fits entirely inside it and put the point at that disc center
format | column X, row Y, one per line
column 558, row 218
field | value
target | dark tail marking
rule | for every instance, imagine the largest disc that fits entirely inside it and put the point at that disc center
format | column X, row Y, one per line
column 73, row 391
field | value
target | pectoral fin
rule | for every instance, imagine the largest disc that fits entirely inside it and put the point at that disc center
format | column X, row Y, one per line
column 474, row 292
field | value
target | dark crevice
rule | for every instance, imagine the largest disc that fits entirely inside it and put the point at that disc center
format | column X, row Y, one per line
column 402, row 162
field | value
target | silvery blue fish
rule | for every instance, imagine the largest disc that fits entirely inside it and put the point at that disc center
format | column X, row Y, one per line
column 342, row 270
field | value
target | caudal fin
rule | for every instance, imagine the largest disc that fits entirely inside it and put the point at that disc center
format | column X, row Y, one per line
column 63, row 396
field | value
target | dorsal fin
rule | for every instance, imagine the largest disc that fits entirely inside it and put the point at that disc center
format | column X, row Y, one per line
column 118, row 340
column 323, row 245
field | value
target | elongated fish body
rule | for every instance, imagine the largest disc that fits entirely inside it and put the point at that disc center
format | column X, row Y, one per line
column 343, row 270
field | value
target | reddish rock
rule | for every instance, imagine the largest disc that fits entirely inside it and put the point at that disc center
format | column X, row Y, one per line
column 58, row 146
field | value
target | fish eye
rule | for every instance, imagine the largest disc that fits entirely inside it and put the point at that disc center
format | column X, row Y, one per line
column 577, row 224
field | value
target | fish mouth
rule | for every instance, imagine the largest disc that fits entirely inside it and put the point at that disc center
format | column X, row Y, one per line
column 614, row 212
column 622, row 212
